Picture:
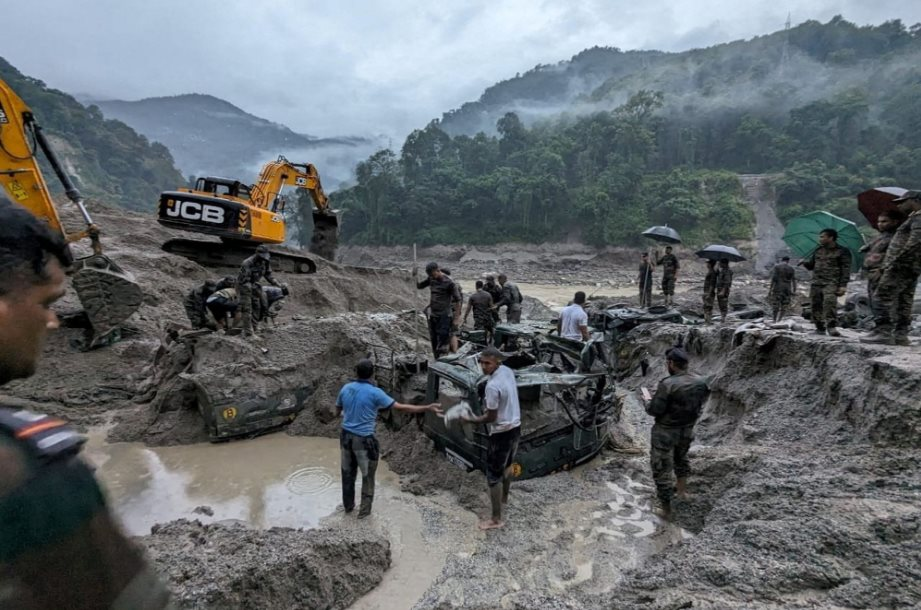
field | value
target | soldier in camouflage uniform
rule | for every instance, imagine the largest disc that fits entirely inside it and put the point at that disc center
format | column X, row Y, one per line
column 60, row 547
column 895, row 294
column 511, row 297
column 644, row 279
column 495, row 291
column 723, row 285
column 670, row 266
column 481, row 303
column 676, row 405
column 887, row 223
column 252, row 270
column 194, row 304
column 831, row 271
column 783, row 287
column 709, row 291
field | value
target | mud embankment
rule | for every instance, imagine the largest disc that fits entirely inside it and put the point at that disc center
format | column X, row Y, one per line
column 274, row 568
column 805, row 487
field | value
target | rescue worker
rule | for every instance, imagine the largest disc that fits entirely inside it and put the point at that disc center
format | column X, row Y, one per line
column 895, row 293
column 670, row 267
column 709, row 291
column 502, row 417
column 252, row 271
column 676, row 406
column 831, row 271
column 511, row 298
column 194, row 304
column 644, row 279
column 783, row 287
column 443, row 297
column 274, row 298
column 573, row 321
column 455, row 313
column 495, row 291
column 60, row 547
column 223, row 305
column 481, row 303
column 723, row 285
column 887, row 222
column 358, row 404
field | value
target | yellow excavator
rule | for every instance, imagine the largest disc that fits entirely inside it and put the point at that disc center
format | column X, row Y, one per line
column 245, row 216
column 108, row 293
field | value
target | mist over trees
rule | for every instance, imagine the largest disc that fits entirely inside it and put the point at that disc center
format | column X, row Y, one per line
column 832, row 109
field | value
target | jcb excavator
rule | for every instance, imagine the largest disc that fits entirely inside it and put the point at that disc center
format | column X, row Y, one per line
column 245, row 216
column 108, row 293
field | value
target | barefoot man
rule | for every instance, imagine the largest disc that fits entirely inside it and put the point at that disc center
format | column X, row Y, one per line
column 503, row 420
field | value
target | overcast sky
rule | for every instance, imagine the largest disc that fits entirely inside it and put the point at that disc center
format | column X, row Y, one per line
column 354, row 68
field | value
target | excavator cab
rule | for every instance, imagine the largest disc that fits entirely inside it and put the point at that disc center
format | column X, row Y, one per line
column 108, row 293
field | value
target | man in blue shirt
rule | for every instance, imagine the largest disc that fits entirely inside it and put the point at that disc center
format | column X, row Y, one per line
column 358, row 404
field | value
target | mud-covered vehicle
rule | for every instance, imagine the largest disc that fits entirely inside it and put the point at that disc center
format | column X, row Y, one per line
column 564, row 416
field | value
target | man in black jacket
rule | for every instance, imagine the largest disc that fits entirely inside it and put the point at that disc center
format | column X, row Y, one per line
column 676, row 406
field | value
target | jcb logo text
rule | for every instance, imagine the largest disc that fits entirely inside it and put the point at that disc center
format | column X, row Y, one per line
column 190, row 210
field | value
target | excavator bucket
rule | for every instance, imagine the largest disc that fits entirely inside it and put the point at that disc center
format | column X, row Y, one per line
column 325, row 237
column 108, row 293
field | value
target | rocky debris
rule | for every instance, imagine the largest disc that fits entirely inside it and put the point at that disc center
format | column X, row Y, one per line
column 805, row 486
column 231, row 566
column 203, row 510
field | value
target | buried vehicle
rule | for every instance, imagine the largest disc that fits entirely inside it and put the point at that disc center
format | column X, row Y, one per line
column 564, row 416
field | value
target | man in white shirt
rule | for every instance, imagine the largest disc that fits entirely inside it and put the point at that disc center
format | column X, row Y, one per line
column 502, row 417
column 573, row 322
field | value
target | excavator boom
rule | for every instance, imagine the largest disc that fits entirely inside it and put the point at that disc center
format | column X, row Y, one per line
column 108, row 293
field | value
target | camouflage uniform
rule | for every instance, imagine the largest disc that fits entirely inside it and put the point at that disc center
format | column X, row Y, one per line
column 709, row 292
column 59, row 545
column 252, row 270
column 723, row 284
column 676, row 406
column 645, row 282
column 495, row 291
column 783, row 278
column 873, row 261
column 511, row 297
column 194, row 304
column 831, row 270
column 895, row 293
column 481, row 303
column 670, row 266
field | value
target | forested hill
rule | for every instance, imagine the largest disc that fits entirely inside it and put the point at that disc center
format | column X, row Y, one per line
column 210, row 136
column 832, row 108
column 107, row 159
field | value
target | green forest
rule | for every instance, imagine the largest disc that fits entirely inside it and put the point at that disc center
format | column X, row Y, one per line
column 111, row 162
column 665, row 154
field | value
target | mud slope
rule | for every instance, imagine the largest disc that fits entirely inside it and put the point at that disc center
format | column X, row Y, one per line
column 806, row 484
column 275, row 568
column 86, row 387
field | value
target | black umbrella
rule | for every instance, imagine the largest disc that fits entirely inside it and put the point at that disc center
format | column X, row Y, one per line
column 664, row 234
column 715, row 252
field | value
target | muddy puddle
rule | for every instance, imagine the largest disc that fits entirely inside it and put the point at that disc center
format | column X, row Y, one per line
column 275, row 480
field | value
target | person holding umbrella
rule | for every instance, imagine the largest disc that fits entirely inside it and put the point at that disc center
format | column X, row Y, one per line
column 893, row 299
column 831, row 271
column 709, row 290
column 723, row 284
column 874, row 252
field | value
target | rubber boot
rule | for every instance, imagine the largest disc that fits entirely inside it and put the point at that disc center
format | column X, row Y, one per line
column 820, row 329
column 365, row 508
column 708, row 318
column 901, row 338
column 681, row 487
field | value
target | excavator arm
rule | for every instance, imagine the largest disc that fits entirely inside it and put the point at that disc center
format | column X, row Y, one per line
column 277, row 174
column 109, row 294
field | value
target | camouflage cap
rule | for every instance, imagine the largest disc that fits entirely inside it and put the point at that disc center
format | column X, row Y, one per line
column 908, row 195
column 263, row 251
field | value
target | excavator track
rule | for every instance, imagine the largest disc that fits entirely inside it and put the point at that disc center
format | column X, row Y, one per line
column 231, row 254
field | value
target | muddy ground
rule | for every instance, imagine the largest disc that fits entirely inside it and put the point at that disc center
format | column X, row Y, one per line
column 805, row 490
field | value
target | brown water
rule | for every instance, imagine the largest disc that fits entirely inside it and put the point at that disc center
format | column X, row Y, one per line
column 275, row 480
